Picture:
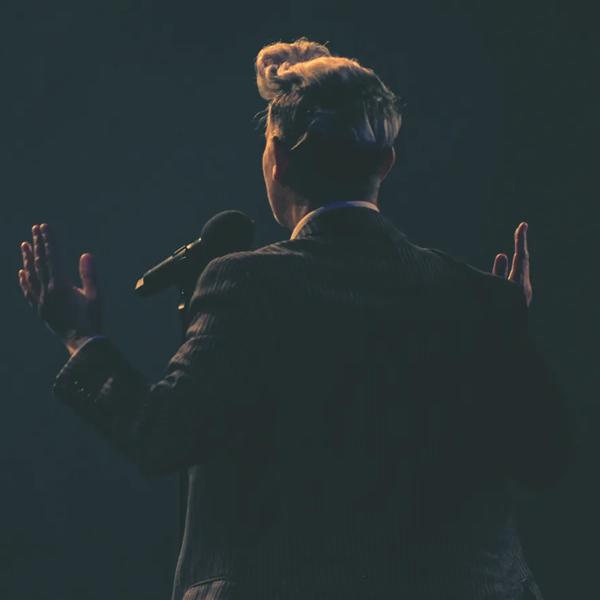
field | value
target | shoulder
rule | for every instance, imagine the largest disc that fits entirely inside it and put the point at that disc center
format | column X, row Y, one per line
column 244, row 271
column 496, row 292
column 240, row 265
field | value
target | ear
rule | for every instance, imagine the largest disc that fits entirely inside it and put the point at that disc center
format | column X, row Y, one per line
column 389, row 158
column 281, row 155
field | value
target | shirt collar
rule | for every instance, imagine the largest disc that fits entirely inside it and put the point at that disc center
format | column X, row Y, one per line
column 313, row 213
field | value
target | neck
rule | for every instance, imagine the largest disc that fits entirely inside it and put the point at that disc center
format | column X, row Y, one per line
column 295, row 214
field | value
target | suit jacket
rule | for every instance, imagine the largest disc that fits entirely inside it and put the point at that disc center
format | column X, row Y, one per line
column 354, row 412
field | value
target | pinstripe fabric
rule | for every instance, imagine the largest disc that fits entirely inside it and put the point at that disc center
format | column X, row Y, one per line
column 337, row 406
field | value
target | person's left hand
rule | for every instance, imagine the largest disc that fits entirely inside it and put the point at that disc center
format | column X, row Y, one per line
column 519, row 272
column 72, row 313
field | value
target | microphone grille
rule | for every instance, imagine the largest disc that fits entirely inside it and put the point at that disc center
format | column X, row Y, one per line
column 226, row 232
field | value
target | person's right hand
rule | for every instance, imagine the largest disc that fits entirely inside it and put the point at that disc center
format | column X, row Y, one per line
column 73, row 313
column 519, row 272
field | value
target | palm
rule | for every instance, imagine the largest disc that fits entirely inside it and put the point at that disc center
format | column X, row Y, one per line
column 68, row 310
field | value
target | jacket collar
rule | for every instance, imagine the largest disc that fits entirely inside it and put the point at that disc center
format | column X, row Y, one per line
column 348, row 220
column 317, row 211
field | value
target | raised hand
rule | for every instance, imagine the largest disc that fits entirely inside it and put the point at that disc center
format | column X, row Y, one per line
column 519, row 272
column 73, row 313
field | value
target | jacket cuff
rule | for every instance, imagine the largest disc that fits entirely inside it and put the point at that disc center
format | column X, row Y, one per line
column 80, row 380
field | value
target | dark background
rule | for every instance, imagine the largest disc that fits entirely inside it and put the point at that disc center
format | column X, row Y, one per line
column 126, row 125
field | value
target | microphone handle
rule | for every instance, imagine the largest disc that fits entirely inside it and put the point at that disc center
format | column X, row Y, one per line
column 169, row 271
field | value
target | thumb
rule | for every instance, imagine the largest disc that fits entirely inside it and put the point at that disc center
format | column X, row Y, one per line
column 500, row 265
column 87, row 272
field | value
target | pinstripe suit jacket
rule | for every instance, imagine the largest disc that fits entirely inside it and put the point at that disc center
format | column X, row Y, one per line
column 346, row 423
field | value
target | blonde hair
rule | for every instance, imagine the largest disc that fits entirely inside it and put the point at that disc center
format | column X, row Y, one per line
column 304, row 74
column 319, row 100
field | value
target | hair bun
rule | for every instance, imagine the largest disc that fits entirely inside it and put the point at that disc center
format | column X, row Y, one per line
column 275, row 74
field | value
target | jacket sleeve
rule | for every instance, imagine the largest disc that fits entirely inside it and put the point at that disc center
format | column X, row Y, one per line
column 198, row 406
column 534, row 419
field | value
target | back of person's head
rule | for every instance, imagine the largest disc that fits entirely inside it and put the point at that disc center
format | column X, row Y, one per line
column 336, row 118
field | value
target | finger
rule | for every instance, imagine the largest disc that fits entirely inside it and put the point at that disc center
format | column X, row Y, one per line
column 24, row 284
column 520, row 263
column 500, row 268
column 55, row 273
column 39, row 257
column 521, row 239
column 87, row 272
column 28, row 268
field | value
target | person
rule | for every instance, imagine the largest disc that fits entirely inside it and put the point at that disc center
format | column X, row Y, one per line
column 357, row 414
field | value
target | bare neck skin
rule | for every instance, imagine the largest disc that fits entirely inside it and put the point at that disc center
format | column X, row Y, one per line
column 287, row 205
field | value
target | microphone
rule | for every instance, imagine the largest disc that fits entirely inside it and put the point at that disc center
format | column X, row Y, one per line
column 226, row 232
